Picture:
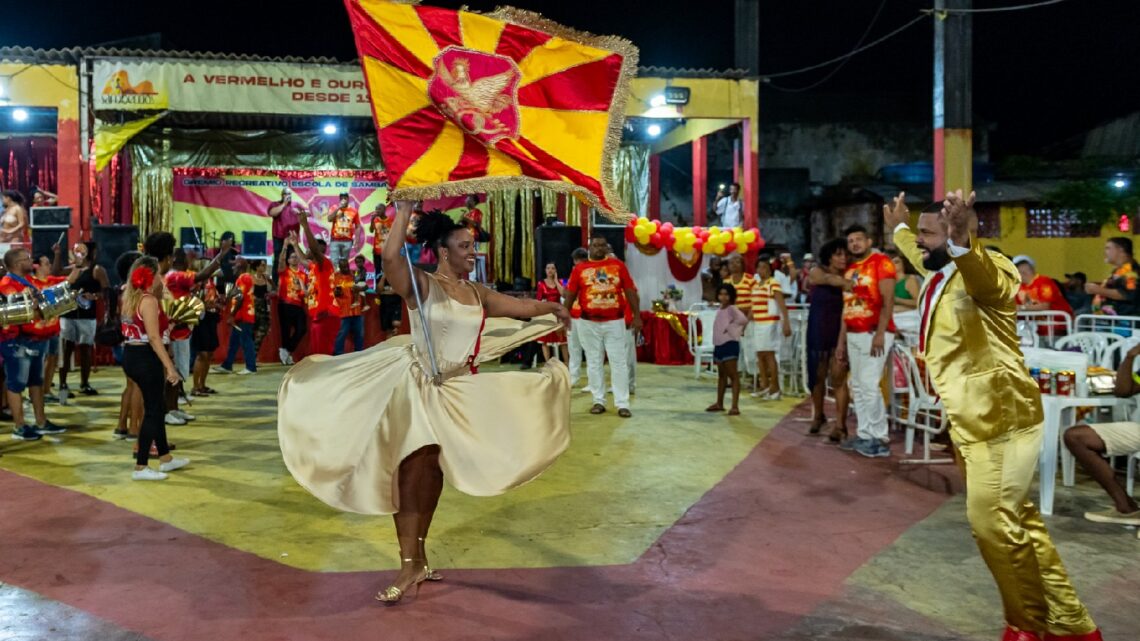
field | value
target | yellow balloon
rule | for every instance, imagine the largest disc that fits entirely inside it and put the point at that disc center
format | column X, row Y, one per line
column 742, row 249
column 749, row 236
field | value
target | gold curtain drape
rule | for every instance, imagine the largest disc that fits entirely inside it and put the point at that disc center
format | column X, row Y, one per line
column 573, row 212
column 631, row 178
column 152, row 192
column 505, row 205
column 527, row 217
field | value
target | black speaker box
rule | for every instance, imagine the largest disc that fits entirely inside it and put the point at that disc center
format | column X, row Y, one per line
column 44, row 239
column 554, row 244
column 253, row 243
column 191, row 237
column 112, row 241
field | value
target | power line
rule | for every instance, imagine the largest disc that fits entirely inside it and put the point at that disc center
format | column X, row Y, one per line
column 857, row 50
column 1017, row 7
column 829, row 76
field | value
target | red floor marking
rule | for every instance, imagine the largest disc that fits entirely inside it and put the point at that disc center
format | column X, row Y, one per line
column 774, row 539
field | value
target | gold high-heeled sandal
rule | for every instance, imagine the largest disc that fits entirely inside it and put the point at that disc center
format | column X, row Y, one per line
column 429, row 574
column 391, row 595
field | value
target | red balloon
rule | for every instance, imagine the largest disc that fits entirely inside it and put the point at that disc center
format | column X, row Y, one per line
column 697, row 229
column 656, row 239
column 698, row 245
column 667, row 228
column 729, row 247
column 704, row 235
column 629, row 236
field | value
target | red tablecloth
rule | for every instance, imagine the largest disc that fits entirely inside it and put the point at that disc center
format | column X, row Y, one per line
column 662, row 344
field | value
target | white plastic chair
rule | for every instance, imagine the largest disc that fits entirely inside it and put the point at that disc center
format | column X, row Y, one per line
column 701, row 319
column 924, row 412
column 793, row 353
column 1095, row 344
column 1056, row 324
column 1133, row 463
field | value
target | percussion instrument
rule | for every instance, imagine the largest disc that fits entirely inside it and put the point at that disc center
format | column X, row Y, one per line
column 17, row 309
column 56, row 300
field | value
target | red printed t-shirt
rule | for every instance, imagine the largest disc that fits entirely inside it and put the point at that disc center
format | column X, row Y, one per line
column 863, row 305
column 344, row 224
column 1044, row 290
column 37, row 330
column 345, row 293
column 320, row 298
column 180, row 284
column 381, row 227
column 763, row 294
column 244, row 311
column 601, row 286
column 293, row 287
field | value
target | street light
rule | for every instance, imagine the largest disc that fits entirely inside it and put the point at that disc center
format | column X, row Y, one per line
column 657, row 101
column 330, row 129
column 653, row 130
column 1120, row 183
column 20, row 115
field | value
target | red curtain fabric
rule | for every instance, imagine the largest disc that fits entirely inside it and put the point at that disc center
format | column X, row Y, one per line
column 27, row 162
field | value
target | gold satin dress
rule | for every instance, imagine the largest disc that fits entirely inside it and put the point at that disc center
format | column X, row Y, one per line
column 346, row 422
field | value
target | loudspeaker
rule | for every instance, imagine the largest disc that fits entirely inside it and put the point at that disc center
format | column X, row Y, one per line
column 254, row 243
column 616, row 237
column 112, row 241
column 44, row 239
column 191, row 237
column 49, row 217
column 554, row 244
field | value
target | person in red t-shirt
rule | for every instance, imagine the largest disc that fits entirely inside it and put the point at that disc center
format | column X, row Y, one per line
column 293, row 289
column 604, row 290
column 1040, row 293
column 865, row 339
column 241, row 320
column 380, row 225
column 345, row 221
column 349, row 295
column 48, row 273
column 23, row 347
column 324, row 315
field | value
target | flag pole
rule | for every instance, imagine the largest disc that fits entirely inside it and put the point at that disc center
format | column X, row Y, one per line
column 436, row 378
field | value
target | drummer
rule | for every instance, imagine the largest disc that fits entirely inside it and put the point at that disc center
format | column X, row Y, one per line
column 89, row 281
column 49, row 272
column 23, row 348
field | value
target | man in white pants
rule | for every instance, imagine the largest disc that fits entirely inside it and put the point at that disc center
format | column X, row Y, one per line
column 865, row 339
column 573, row 344
column 604, row 292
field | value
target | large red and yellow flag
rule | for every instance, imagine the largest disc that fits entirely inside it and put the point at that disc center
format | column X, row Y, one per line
column 467, row 102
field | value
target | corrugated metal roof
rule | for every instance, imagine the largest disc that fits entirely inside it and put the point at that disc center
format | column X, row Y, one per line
column 72, row 55
column 1120, row 137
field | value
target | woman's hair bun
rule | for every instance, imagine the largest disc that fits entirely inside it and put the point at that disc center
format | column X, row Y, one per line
column 433, row 228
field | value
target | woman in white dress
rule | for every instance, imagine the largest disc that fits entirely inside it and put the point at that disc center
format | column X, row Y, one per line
column 376, row 432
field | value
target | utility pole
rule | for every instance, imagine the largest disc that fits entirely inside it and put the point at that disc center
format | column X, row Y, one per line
column 953, row 97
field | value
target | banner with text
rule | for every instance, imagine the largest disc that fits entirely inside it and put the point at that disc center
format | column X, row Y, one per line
column 230, row 87
column 220, row 200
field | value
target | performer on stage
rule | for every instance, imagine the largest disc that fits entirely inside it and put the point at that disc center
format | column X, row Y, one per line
column 968, row 336
column 396, row 430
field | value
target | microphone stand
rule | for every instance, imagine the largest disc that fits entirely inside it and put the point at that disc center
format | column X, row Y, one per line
column 436, row 377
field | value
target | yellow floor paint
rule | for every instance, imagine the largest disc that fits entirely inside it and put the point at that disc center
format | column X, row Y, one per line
column 618, row 487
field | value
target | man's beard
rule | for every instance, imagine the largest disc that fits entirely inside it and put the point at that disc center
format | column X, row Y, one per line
column 936, row 259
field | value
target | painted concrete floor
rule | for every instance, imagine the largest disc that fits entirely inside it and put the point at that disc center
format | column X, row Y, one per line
column 674, row 524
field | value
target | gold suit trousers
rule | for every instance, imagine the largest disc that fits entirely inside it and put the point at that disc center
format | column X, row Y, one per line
column 1035, row 590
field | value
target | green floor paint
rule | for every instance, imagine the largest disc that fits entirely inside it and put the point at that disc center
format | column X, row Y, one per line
column 618, row 487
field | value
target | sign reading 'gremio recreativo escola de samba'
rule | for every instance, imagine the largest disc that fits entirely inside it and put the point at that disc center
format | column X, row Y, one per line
column 233, row 87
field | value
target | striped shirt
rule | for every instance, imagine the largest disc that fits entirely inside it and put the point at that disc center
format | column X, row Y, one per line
column 764, row 308
column 743, row 292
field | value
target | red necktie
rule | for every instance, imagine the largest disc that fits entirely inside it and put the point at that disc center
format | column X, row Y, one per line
column 926, row 312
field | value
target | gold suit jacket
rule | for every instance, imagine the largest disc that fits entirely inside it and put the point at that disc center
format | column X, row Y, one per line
column 973, row 352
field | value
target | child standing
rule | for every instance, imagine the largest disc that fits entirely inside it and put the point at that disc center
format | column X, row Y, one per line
column 727, row 329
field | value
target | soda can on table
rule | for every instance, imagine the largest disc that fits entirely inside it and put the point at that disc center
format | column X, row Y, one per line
column 1045, row 381
column 1034, row 372
column 1066, row 380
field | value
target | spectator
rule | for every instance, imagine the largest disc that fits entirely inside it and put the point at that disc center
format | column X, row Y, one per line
column 803, row 279
column 727, row 329
column 285, row 222
column 573, row 336
column 89, row 281
column 743, row 282
column 710, row 280
column 293, row 287
column 1089, row 444
column 242, row 318
column 729, row 207
column 865, row 339
column 349, row 297
column 324, row 315
column 1040, row 293
column 345, row 228
column 906, row 317
column 768, row 309
column 1118, row 294
column 1074, row 290
column 825, row 315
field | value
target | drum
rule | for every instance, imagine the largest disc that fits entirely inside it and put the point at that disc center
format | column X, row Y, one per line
column 57, row 300
column 18, row 309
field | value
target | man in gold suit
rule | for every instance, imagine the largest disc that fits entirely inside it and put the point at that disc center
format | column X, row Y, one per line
column 968, row 337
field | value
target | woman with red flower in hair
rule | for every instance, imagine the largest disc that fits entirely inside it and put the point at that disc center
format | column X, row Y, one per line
column 146, row 332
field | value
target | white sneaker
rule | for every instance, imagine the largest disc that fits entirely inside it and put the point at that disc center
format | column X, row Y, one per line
column 183, row 415
column 587, row 390
column 218, row 369
column 283, row 354
column 174, row 419
column 772, row 397
column 147, row 474
column 246, row 372
column 173, row 464
column 762, row 395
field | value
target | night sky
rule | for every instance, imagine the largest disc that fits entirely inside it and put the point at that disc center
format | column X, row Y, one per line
column 1041, row 75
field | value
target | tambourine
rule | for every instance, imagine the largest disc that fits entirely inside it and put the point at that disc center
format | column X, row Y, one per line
column 184, row 311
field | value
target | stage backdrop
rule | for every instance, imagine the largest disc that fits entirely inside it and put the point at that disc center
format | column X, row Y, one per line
column 218, row 200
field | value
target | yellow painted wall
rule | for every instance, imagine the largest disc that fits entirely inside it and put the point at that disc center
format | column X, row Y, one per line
column 708, row 98
column 1055, row 257
column 42, row 86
